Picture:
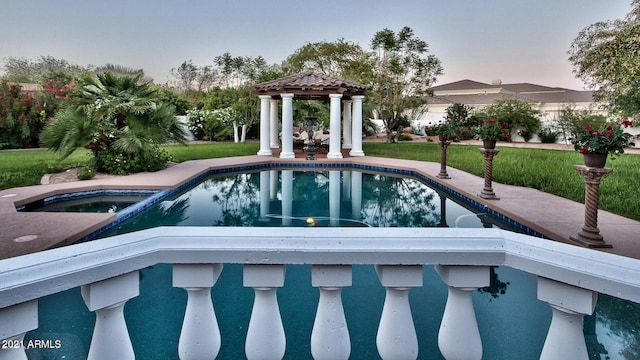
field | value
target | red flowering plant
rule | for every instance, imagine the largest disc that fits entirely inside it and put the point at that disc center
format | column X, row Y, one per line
column 492, row 130
column 21, row 117
column 608, row 139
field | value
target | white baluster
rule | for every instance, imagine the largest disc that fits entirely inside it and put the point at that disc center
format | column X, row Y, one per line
column 459, row 337
column 107, row 298
column 200, row 335
column 330, row 336
column 265, row 335
column 569, row 304
column 15, row 322
column 397, row 337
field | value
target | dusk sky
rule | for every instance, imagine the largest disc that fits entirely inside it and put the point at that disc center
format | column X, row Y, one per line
column 482, row 40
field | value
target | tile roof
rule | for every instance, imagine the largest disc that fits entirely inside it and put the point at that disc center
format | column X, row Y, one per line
column 310, row 83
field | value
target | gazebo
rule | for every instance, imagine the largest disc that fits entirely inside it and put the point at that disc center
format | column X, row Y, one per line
column 345, row 104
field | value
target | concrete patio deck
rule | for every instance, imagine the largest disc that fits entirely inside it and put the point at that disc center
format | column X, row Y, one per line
column 555, row 217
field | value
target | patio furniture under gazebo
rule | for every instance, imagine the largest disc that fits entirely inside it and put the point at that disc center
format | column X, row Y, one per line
column 345, row 98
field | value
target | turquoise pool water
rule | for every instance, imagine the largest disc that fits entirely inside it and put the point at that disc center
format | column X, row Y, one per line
column 513, row 323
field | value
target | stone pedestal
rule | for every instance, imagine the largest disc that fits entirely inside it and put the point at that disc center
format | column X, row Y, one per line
column 443, row 160
column 487, row 191
column 590, row 236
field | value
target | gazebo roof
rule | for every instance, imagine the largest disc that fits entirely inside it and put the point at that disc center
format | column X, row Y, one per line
column 310, row 85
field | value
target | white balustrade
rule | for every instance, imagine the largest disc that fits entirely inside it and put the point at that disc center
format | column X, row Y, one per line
column 15, row 322
column 397, row 339
column 569, row 304
column 200, row 335
column 265, row 335
column 459, row 325
column 330, row 335
column 107, row 298
column 569, row 280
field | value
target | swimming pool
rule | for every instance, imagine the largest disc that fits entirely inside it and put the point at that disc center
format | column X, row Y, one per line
column 98, row 201
column 310, row 198
column 239, row 199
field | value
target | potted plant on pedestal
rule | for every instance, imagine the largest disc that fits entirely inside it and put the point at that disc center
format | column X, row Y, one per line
column 491, row 131
column 446, row 131
column 596, row 143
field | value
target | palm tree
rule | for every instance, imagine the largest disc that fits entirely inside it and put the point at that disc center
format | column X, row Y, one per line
column 116, row 114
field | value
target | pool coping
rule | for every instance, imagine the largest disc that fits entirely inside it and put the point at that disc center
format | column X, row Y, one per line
column 543, row 214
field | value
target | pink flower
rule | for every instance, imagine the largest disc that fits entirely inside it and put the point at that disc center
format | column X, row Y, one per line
column 626, row 123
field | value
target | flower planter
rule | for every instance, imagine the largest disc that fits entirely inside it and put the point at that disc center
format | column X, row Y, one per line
column 595, row 160
column 489, row 144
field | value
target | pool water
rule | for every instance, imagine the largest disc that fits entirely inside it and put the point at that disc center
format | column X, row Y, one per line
column 98, row 201
column 310, row 198
column 512, row 322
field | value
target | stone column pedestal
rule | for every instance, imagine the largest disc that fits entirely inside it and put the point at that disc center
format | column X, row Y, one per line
column 590, row 236
column 487, row 191
column 443, row 160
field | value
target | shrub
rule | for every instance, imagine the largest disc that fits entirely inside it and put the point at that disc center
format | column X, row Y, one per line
column 85, row 173
column 464, row 132
column 22, row 118
column 548, row 136
column 116, row 162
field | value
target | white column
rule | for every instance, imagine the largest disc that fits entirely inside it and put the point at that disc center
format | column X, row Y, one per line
column 334, row 127
column 356, row 126
column 273, row 121
column 200, row 335
column 459, row 325
column 265, row 196
column 287, row 127
column 334, row 197
column 397, row 337
column 356, row 195
column 265, row 335
column 273, row 184
column 287, row 197
column 107, row 298
column 265, row 149
column 346, row 124
column 346, row 184
column 330, row 335
column 569, row 304
column 15, row 322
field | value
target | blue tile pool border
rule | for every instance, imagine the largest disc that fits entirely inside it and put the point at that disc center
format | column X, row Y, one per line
column 159, row 196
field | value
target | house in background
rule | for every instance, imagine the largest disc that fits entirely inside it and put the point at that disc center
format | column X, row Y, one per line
column 549, row 100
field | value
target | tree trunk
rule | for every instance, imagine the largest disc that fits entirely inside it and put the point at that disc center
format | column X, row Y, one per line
column 243, row 138
column 235, row 131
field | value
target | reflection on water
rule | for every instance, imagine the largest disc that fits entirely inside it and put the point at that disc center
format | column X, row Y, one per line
column 613, row 331
column 310, row 198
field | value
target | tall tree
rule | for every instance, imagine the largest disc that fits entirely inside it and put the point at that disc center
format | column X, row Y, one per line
column 340, row 59
column 24, row 70
column 605, row 56
column 192, row 77
column 403, row 76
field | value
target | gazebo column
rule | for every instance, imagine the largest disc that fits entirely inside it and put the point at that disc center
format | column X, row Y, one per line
column 265, row 149
column 273, row 121
column 334, row 127
column 287, row 127
column 346, row 124
column 356, row 126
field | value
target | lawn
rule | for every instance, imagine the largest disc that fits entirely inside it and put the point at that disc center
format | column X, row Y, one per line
column 547, row 170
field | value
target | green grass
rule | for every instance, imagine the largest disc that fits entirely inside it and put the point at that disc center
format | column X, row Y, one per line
column 26, row 167
column 548, row 170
